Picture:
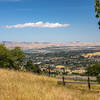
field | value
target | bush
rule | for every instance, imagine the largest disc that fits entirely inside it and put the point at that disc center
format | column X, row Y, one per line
column 32, row 67
column 12, row 59
column 93, row 70
column 98, row 78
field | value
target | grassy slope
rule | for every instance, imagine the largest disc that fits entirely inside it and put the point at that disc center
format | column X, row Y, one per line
column 26, row 86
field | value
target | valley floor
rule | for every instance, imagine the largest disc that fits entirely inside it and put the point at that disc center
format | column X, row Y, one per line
column 27, row 86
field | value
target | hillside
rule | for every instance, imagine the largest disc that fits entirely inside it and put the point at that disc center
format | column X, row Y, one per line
column 92, row 54
column 27, row 86
column 37, row 45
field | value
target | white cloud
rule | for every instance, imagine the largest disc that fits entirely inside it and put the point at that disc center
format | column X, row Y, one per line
column 39, row 24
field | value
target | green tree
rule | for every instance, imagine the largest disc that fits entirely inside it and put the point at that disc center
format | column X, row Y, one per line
column 18, row 57
column 13, row 59
column 94, row 71
column 32, row 67
column 97, row 10
column 29, row 65
column 4, row 57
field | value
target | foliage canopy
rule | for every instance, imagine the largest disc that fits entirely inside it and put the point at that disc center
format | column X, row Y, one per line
column 94, row 71
column 97, row 10
column 15, row 59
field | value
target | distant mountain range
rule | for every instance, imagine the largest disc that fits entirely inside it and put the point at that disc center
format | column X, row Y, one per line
column 37, row 45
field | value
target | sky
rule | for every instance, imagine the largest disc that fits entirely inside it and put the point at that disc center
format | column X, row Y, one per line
column 48, row 21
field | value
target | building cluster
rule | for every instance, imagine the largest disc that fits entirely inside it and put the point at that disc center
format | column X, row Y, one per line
column 63, row 62
column 60, row 69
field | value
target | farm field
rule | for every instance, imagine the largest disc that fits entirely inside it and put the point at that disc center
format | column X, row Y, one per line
column 92, row 54
column 27, row 86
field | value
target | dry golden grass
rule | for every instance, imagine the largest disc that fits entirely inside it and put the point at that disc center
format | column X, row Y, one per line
column 27, row 86
column 91, row 54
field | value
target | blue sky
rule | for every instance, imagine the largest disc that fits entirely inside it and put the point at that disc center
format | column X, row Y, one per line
column 58, row 21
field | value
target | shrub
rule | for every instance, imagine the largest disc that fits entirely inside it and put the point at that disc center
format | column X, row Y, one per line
column 98, row 78
column 32, row 67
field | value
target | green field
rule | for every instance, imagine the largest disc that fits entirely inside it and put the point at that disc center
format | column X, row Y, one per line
column 27, row 86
